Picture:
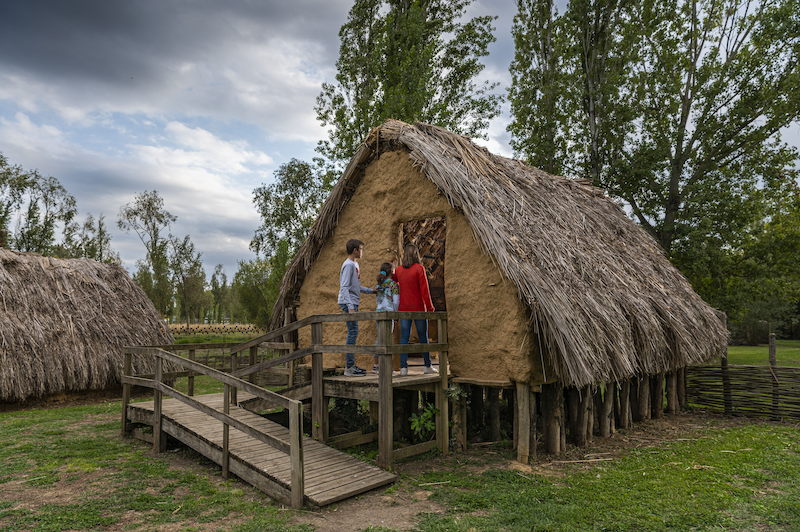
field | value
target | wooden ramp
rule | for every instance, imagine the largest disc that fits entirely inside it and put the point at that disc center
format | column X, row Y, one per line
column 330, row 475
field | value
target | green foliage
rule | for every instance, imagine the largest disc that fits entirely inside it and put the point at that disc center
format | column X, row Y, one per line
column 147, row 217
column 409, row 60
column 91, row 240
column 222, row 294
column 424, row 424
column 257, row 283
column 189, row 278
column 40, row 203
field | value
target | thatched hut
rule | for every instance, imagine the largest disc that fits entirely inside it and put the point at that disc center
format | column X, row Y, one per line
column 544, row 278
column 64, row 322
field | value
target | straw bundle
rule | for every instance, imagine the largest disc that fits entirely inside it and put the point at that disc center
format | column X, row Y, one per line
column 605, row 303
column 63, row 324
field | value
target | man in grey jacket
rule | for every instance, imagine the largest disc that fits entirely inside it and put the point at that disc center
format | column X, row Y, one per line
column 350, row 290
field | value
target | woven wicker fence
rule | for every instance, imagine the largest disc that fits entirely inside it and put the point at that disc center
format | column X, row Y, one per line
column 754, row 391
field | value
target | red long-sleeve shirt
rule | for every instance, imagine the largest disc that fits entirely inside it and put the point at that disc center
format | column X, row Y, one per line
column 414, row 292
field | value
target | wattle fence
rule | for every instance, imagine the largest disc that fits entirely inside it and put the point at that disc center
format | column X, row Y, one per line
column 754, row 391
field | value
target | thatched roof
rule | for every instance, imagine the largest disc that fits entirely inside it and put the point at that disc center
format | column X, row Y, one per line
column 605, row 303
column 63, row 324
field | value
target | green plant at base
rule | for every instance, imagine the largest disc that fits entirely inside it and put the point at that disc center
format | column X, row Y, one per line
column 424, row 425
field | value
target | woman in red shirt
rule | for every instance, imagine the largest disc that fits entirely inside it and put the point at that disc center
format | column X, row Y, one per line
column 415, row 296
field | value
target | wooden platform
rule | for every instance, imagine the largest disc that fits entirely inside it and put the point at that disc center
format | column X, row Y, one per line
column 330, row 475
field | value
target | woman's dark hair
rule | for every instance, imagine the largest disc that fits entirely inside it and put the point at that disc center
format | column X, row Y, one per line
column 410, row 255
column 386, row 272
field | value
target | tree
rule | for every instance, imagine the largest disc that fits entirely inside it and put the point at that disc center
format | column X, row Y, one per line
column 409, row 60
column 188, row 276
column 147, row 217
column 221, row 292
column 91, row 240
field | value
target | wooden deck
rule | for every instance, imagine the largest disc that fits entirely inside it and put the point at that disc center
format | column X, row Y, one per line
column 330, row 475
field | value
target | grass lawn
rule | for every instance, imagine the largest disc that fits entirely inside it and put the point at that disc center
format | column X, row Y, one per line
column 787, row 353
column 68, row 469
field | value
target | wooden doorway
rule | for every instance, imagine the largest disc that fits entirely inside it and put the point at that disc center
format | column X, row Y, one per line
column 429, row 236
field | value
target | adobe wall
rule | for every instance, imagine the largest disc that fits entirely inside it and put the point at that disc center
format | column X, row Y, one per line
column 487, row 323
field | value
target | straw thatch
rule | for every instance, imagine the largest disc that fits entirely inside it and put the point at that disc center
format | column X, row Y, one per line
column 63, row 324
column 605, row 303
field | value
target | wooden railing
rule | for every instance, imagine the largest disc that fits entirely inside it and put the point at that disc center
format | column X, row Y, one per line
column 294, row 447
column 384, row 350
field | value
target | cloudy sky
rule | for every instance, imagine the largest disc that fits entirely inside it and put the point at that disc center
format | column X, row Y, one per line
column 200, row 100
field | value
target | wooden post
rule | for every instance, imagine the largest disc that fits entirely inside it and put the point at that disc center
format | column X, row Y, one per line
column 773, row 363
column 226, row 408
column 657, row 395
column 385, row 406
column 476, row 407
column 635, row 382
column 190, row 382
column 493, row 397
column 625, row 404
column 606, row 413
column 126, row 394
column 681, row 387
column 533, row 418
column 524, row 417
column 296, row 449
column 287, row 338
column 442, row 403
column 672, row 392
column 644, row 398
column 253, row 362
column 234, row 367
column 159, row 438
column 552, row 414
column 318, row 402
column 727, row 399
column 590, row 411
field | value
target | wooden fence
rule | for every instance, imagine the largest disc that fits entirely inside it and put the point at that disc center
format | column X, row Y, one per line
column 755, row 391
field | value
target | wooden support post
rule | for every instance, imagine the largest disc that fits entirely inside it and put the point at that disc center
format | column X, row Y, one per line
column 226, row 408
column 625, row 404
column 634, row 399
column 552, row 413
column 727, row 399
column 287, row 338
column 672, row 392
column 318, row 402
column 461, row 422
column 533, row 418
column 296, row 450
column 253, row 362
column 576, row 433
column 190, row 381
column 385, row 406
column 644, row 397
column 589, row 401
column 773, row 363
column 442, row 403
column 493, row 397
column 682, row 387
column 126, row 394
column 159, row 437
column 476, row 409
column 524, row 417
column 606, row 413
column 657, row 395
column 234, row 367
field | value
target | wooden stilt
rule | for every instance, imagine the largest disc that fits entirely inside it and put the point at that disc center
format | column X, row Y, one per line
column 672, row 392
column 590, row 411
column 493, row 398
column 385, row 396
column 606, row 413
column 552, row 414
column 657, row 395
column 126, row 394
column 644, row 397
column 318, row 402
column 442, row 403
column 524, row 417
column 625, row 404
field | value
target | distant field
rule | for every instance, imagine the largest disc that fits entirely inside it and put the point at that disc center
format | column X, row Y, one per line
column 231, row 332
column 787, row 353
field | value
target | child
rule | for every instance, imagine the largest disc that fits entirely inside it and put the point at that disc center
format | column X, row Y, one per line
column 387, row 295
column 350, row 290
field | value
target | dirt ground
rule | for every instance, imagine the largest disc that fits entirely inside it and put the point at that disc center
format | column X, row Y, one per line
column 398, row 506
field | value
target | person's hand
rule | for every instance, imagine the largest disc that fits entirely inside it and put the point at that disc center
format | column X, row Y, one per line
column 352, row 311
column 395, row 263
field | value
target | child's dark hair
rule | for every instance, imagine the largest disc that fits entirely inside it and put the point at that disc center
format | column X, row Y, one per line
column 386, row 272
column 410, row 255
column 352, row 245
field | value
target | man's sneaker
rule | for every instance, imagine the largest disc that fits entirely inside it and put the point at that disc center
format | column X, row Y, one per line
column 430, row 369
column 375, row 369
column 354, row 371
column 403, row 372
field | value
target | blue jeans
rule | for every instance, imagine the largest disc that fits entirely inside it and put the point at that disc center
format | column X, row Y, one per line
column 405, row 333
column 352, row 334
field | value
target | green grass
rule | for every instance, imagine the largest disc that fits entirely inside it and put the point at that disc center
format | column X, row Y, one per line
column 787, row 353
column 731, row 479
column 120, row 480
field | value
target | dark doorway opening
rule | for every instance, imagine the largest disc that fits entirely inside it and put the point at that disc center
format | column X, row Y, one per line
column 429, row 236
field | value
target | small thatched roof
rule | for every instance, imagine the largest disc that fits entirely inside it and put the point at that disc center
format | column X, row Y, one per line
column 605, row 303
column 63, row 324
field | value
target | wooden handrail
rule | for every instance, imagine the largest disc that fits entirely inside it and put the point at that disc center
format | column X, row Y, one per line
column 332, row 318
